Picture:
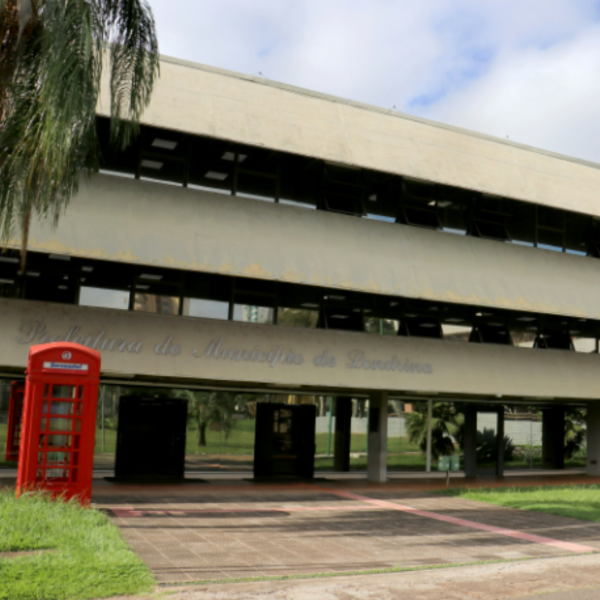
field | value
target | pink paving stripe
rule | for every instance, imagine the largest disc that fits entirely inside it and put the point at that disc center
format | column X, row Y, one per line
column 133, row 512
column 520, row 535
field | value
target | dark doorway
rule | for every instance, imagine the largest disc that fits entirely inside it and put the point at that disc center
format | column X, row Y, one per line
column 284, row 444
column 484, row 441
column 151, row 438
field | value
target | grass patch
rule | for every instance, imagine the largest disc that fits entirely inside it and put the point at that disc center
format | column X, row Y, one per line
column 88, row 559
column 578, row 501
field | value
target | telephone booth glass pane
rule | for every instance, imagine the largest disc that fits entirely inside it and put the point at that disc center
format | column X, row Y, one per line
column 59, row 441
column 57, row 474
column 62, row 408
column 60, row 425
column 58, row 457
column 63, row 391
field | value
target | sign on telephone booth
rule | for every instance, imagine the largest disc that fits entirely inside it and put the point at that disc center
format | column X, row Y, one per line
column 59, row 420
column 15, row 417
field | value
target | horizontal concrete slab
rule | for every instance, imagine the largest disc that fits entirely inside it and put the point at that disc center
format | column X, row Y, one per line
column 207, row 101
column 152, row 224
column 230, row 353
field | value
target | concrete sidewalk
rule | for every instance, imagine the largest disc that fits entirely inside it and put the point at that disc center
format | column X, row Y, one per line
column 560, row 578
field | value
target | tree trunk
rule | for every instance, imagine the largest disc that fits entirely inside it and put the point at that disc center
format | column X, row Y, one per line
column 202, row 433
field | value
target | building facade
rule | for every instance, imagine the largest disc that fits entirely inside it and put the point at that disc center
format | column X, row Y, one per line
column 260, row 242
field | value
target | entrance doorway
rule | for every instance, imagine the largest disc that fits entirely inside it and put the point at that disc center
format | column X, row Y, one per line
column 285, row 441
column 151, row 438
column 484, row 441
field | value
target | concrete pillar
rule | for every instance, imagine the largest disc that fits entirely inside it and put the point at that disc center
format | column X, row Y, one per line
column 500, row 442
column 593, row 439
column 553, row 438
column 377, row 456
column 343, row 425
column 470, row 441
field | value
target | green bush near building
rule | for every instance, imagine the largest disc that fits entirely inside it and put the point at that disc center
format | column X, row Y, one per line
column 58, row 550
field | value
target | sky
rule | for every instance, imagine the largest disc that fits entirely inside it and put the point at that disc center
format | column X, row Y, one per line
column 526, row 70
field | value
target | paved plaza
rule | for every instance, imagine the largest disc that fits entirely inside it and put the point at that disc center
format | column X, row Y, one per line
column 219, row 531
column 201, row 537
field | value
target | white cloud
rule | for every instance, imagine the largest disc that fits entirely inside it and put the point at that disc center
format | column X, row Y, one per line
column 523, row 68
column 546, row 98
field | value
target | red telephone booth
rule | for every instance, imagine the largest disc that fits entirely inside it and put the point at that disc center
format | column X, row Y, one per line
column 59, row 420
column 15, row 416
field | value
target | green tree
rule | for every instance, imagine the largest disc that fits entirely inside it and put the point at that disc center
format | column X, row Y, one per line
column 52, row 55
column 200, row 410
column 205, row 408
column 224, row 407
column 575, row 420
column 445, row 423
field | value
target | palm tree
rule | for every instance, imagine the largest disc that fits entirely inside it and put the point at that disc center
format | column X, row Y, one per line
column 575, row 432
column 445, row 424
column 52, row 54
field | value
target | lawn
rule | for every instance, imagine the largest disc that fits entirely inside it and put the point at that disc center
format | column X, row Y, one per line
column 76, row 553
column 237, row 450
column 579, row 501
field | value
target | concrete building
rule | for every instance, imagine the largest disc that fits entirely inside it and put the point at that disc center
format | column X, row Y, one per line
column 268, row 241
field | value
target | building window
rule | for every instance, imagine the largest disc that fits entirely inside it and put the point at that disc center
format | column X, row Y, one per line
column 253, row 314
column 153, row 303
column 103, row 298
column 587, row 345
column 297, row 317
column 208, row 309
column 381, row 326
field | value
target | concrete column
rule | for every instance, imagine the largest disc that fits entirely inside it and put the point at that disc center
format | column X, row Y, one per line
column 377, row 456
column 470, row 441
column 500, row 442
column 593, row 439
column 553, row 438
column 343, row 424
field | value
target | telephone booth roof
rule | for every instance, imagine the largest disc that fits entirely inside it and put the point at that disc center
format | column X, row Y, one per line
column 64, row 358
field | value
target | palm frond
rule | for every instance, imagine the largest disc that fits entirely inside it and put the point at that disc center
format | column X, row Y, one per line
column 134, row 63
column 49, row 88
